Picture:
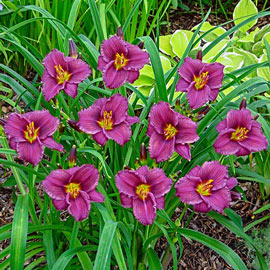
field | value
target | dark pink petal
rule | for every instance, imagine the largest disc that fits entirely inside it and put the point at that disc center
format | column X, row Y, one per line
column 87, row 175
column 222, row 125
column 132, row 120
column 213, row 93
column 219, row 199
column 240, row 118
column 215, row 171
column 182, row 85
column 119, row 106
column 232, row 182
column 159, row 182
column 160, row 201
column 160, row 115
column 183, row 150
column 145, row 211
column 235, row 195
column 143, row 170
column 88, row 120
column 54, row 184
column 201, row 207
column 120, row 133
column 79, row 208
column 101, row 63
column 159, row 148
column 242, row 151
column 114, row 78
column 51, row 143
column 224, row 145
column 12, row 143
column 79, row 70
column 47, row 123
column 71, row 89
column 60, row 204
column 100, row 103
column 190, row 68
column 96, row 196
column 126, row 181
column 215, row 73
column 15, row 126
column 187, row 131
column 100, row 138
column 50, row 87
column 186, row 190
column 30, row 152
column 126, row 201
column 197, row 98
column 109, row 48
column 137, row 58
column 133, row 75
column 195, row 171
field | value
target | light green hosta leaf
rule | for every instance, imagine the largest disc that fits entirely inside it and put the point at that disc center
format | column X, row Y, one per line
column 245, row 37
column 264, row 71
column 259, row 46
column 180, row 40
column 242, row 11
column 143, row 80
column 214, row 51
column 147, row 70
column 213, row 34
column 259, row 35
column 165, row 46
column 231, row 61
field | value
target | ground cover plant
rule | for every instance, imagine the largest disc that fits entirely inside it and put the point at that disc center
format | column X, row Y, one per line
column 119, row 127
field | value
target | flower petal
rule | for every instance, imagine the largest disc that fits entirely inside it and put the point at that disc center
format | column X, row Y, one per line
column 160, row 201
column 201, row 207
column 197, row 98
column 60, row 204
column 71, row 89
column 132, row 76
column 182, row 85
column 215, row 72
column 159, row 148
column 222, row 125
column 137, row 58
column 145, row 211
column 232, row 182
column 100, row 138
column 126, row 201
column 79, row 70
column 242, row 151
column 183, row 150
column 96, row 196
column 30, row 152
column 79, row 208
column 239, row 118
column 101, row 63
column 213, row 93
column 50, row 87
column 51, row 143
column 132, row 120
column 120, row 133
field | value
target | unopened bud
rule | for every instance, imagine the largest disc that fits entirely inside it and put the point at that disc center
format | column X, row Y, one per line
column 143, row 154
column 199, row 55
column 2, row 121
column 72, row 49
column 72, row 158
column 141, row 45
column 177, row 105
column 243, row 104
column 61, row 128
column 79, row 56
column 255, row 117
column 204, row 110
column 74, row 125
column 120, row 32
column 59, row 166
column 126, row 167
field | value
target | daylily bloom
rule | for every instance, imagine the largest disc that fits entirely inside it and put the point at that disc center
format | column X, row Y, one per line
column 108, row 119
column 62, row 73
column 169, row 131
column 28, row 134
column 200, row 80
column 74, row 189
column 207, row 187
column 239, row 134
column 144, row 191
column 120, row 62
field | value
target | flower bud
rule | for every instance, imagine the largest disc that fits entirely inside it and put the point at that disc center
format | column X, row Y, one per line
column 2, row 122
column 243, row 104
column 199, row 55
column 72, row 49
column 61, row 128
column 74, row 125
column 72, row 158
column 143, row 154
column 255, row 117
column 141, row 44
column 177, row 105
column 120, row 32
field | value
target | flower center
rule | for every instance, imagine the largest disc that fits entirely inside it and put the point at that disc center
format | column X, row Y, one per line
column 240, row 134
column 204, row 188
column 106, row 121
column 201, row 80
column 169, row 131
column 73, row 189
column 142, row 191
column 62, row 75
column 120, row 61
column 31, row 133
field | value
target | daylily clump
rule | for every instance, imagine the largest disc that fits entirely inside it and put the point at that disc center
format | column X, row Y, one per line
column 201, row 81
column 207, row 187
column 239, row 134
column 169, row 131
column 108, row 119
column 62, row 73
column 120, row 62
column 28, row 134
column 74, row 189
column 143, row 190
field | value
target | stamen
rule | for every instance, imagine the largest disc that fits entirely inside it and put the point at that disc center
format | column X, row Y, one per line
column 120, row 61
column 62, row 75
column 240, row 134
column 201, row 80
column 31, row 133
column 73, row 189
column 169, row 131
column 205, row 187
column 106, row 121
column 142, row 191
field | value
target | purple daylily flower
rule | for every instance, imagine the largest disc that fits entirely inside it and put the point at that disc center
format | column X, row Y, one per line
column 108, row 119
column 200, row 80
column 74, row 189
column 207, row 187
column 144, row 191
column 28, row 134
column 120, row 62
column 62, row 73
column 169, row 131
column 239, row 134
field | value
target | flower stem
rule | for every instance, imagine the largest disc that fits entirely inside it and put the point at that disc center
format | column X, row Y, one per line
column 74, row 234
